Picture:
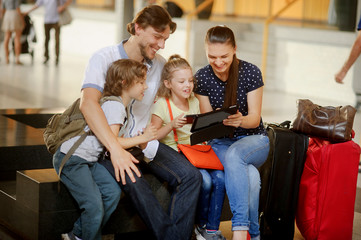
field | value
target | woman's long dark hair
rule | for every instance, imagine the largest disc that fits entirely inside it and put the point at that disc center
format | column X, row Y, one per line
column 223, row 34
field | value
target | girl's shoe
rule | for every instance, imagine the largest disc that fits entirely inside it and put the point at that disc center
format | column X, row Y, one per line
column 201, row 234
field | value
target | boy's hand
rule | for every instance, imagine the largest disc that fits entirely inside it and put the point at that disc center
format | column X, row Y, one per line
column 150, row 133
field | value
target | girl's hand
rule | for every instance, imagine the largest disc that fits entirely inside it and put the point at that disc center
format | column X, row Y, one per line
column 234, row 120
column 150, row 133
column 179, row 121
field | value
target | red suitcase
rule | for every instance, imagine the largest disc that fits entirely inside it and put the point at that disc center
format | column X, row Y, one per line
column 327, row 192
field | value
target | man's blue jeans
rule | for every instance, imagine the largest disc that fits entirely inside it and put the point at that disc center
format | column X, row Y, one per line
column 94, row 189
column 184, row 181
column 211, row 198
column 241, row 157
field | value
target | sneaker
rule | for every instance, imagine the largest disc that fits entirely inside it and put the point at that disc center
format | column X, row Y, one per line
column 69, row 236
column 201, row 234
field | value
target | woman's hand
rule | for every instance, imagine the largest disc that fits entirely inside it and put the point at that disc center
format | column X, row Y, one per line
column 234, row 120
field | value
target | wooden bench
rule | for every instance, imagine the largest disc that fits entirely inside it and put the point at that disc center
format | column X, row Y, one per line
column 43, row 209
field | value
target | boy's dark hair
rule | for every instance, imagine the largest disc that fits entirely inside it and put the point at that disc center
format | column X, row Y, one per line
column 223, row 34
column 122, row 74
column 154, row 16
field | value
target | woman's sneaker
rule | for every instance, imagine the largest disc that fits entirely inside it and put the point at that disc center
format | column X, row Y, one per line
column 202, row 234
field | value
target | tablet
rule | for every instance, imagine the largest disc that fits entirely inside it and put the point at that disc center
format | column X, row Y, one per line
column 201, row 121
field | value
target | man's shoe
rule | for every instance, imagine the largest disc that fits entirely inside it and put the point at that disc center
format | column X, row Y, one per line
column 46, row 60
column 202, row 234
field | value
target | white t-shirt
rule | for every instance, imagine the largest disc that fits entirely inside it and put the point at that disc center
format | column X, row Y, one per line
column 139, row 111
column 90, row 148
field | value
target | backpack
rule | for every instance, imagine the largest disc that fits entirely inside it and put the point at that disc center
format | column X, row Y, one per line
column 64, row 126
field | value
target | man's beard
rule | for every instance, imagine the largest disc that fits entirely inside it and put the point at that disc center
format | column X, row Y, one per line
column 143, row 52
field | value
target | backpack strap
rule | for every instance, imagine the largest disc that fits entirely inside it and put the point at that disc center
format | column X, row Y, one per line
column 84, row 135
column 72, row 150
column 110, row 98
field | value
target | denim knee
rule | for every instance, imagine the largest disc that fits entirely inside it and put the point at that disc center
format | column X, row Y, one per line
column 195, row 175
column 206, row 180
column 218, row 179
column 254, row 179
column 114, row 196
column 95, row 210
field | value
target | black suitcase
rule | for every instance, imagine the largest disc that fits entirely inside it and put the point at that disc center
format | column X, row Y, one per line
column 280, row 178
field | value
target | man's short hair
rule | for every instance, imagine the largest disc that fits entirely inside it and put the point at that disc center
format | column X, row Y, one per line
column 154, row 16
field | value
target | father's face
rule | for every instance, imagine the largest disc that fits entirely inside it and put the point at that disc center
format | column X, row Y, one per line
column 151, row 41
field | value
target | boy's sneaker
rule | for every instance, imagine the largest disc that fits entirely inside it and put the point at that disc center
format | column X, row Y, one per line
column 201, row 234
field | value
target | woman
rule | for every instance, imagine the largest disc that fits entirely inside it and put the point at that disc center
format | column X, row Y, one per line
column 13, row 22
column 228, row 81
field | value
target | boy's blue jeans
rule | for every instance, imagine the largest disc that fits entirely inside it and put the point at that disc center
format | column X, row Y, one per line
column 241, row 157
column 211, row 198
column 94, row 189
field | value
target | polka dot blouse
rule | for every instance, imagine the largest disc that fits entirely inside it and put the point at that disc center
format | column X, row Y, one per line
column 250, row 78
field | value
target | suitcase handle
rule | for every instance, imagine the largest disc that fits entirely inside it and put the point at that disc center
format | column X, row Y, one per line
column 286, row 124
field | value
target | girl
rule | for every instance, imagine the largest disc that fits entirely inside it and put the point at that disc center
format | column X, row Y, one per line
column 177, row 86
column 91, row 185
column 227, row 81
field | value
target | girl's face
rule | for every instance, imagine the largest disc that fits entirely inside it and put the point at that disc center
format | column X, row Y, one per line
column 181, row 84
column 137, row 90
column 220, row 56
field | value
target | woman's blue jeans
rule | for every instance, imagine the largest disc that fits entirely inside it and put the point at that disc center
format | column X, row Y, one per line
column 241, row 157
column 94, row 189
column 211, row 198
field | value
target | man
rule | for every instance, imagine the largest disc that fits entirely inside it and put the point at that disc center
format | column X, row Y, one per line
column 149, row 30
column 51, row 18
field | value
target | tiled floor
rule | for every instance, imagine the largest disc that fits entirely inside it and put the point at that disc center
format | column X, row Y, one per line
column 49, row 86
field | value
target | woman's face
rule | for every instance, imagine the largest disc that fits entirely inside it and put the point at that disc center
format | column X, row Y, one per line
column 220, row 56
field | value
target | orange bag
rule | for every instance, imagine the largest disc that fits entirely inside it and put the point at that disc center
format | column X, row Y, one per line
column 201, row 156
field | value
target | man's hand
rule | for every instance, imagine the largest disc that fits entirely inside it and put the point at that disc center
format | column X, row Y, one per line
column 123, row 163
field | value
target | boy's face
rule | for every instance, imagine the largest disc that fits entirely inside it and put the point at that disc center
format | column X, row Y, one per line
column 150, row 41
column 137, row 90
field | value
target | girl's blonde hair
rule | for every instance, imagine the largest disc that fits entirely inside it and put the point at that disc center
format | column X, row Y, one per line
column 121, row 75
column 174, row 63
